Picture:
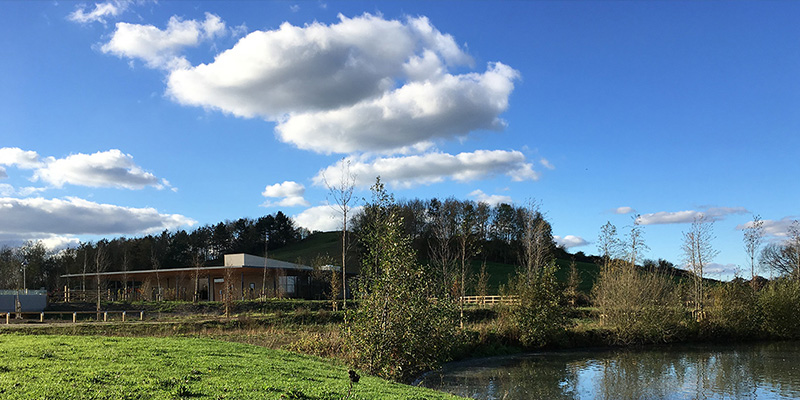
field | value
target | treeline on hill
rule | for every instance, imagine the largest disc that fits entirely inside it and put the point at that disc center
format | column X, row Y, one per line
column 442, row 233
column 31, row 266
column 494, row 233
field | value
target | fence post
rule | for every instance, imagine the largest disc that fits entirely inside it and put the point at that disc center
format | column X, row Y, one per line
column 123, row 316
column 41, row 317
column 141, row 315
column 105, row 316
column 8, row 317
column 74, row 317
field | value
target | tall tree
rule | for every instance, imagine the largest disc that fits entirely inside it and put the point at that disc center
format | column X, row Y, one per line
column 342, row 194
column 698, row 252
column 100, row 264
column 784, row 258
column 753, row 237
column 467, row 248
column 443, row 230
column 396, row 331
column 608, row 244
column 635, row 245
column 536, row 240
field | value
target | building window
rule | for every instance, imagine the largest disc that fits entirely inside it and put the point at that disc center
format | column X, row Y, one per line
column 287, row 284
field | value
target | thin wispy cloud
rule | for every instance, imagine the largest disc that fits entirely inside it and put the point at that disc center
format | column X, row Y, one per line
column 688, row 216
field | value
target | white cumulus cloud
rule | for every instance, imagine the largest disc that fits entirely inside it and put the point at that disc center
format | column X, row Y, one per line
column 570, row 241
column 161, row 49
column 425, row 169
column 41, row 218
column 491, row 200
column 290, row 194
column 624, row 210
column 324, row 218
column 416, row 113
column 111, row 168
column 362, row 84
column 14, row 156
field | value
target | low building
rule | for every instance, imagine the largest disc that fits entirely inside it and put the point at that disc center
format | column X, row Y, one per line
column 249, row 277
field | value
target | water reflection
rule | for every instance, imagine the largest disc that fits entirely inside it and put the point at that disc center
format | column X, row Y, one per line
column 744, row 371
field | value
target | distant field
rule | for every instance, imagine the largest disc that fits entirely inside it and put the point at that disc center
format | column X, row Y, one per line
column 91, row 367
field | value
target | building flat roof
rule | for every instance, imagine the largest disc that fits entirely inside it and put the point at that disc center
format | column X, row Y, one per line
column 252, row 263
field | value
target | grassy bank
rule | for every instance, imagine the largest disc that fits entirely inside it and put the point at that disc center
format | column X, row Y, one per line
column 94, row 367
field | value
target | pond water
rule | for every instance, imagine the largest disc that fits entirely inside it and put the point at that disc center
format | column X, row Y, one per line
column 697, row 371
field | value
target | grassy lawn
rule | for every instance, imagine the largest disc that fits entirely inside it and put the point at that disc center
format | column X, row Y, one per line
column 92, row 367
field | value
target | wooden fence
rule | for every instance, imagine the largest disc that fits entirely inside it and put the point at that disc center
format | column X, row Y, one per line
column 490, row 300
column 124, row 315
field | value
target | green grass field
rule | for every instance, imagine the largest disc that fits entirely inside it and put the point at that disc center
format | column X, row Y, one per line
column 92, row 367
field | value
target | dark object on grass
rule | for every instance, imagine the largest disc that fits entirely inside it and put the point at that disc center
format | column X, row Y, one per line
column 354, row 377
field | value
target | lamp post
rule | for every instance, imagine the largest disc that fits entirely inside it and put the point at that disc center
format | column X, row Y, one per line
column 24, row 275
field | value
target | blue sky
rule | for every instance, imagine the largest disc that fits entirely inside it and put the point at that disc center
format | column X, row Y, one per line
column 130, row 117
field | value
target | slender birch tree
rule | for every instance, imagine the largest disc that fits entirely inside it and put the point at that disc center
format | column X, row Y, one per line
column 698, row 252
column 342, row 194
column 753, row 237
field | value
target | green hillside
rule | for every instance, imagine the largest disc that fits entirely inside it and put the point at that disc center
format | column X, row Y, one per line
column 328, row 244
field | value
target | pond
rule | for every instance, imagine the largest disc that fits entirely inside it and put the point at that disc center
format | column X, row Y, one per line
column 696, row 371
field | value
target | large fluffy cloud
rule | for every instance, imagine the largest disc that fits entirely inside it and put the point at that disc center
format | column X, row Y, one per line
column 408, row 171
column 362, row 84
column 14, row 156
column 38, row 217
column 415, row 113
column 110, row 168
column 290, row 194
column 688, row 216
column 162, row 49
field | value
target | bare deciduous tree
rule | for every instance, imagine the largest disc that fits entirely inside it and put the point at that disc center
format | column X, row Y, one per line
column 198, row 259
column 125, row 268
column 608, row 244
column 536, row 240
column 784, row 258
column 467, row 248
column 636, row 245
column 342, row 193
column 443, row 230
column 753, row 237
column 698, row 252
column 156, row 265
column 101, row 263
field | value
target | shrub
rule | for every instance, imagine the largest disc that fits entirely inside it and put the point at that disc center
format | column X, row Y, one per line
column 735, row 311
column 779, row 304
column 397, row 331
column 539, row 317
column 639, row 307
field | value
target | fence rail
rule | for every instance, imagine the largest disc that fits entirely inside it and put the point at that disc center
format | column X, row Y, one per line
column 100, row 314
column 22, row 291
column 490, row 300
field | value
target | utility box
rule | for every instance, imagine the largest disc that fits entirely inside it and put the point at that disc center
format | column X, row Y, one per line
column 29, row 300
